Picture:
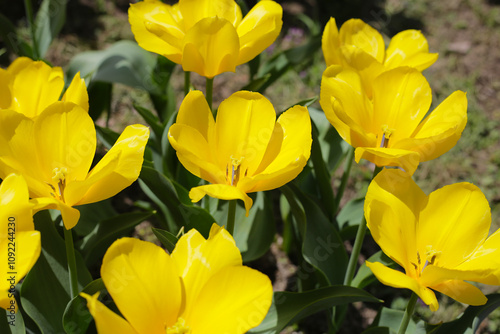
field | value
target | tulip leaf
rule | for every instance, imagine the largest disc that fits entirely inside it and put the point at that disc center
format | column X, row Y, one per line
column 350, row 217
column 12, row 323
column 11, row 39
column 167, row 239
column 49, row 21
column 152, row 121
column 77, row 317
column 95, row 244
column 391, row 319
column 45, row 291
column 290, row 307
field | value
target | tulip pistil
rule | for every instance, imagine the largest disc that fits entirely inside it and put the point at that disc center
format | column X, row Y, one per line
column 235, row 170
column 387, row 132
column 179, row 327
column 59, row 176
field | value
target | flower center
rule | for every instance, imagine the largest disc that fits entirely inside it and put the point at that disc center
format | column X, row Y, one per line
column 386, row 135
column 233, row 174
column 59, row 176
column 431, row 257
column 179, row 327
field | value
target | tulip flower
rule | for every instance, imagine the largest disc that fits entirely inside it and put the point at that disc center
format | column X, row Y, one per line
column 245, row 150
column 360, row 47
column 29, row 87
column 441, row 240
column 391, row 128
column 20, row 244
column 205, row 36
column 202, row 287
column 54, row 152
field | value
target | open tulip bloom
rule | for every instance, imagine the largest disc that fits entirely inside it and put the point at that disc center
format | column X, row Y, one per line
column 245, row 150
column 360, row 47
column 391, row 129
column 208, row 37
column 20, row 244
column 201, row 288
column 441, row 240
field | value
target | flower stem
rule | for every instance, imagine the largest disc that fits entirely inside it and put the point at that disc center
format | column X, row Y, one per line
column 231, row 213
column 70, row 254
column 187, row 82
column 209, row 91
column 410, row 308
column 358, row 242
column 345, row 178
column 29, row 15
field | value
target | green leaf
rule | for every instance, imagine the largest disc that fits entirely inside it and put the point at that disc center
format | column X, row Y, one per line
column 12, row 323
column 151, row 120
column 11, row 38
column 364, row 276
column 95, row 244
column 391, row 319
column 289, row 307
column 167, row 239
column 99, row 99
column 77, row 317
column 349, row 218
column 45, row 291
column 49, row 21
column 124, row 62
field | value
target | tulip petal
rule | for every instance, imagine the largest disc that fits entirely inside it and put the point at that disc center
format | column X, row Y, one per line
column 221, row 191
column 194, row 11
column 14, row 205
column 463, row 215
column 407, row 160
column 434, row 275
column 330, row 44
column 397, row 279
column 107, row 322
column 134, row 270
column 195, row 112
column 158, row 28
column 70, row 215
column 116, row 170
column 392, row 206
column 439, row 131
column 462, row 292
column 198, row 260
column 243, row 297
column 401, row 99
column 409, row 48
column 357, row 33
column 5, row 95
column 77, row 93
column 259, row 29
column 211, row 47
column 244, row 126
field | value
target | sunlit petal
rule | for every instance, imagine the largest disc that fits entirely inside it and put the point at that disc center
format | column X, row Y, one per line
column 220, row 191
column 409, row 48
column 330, row 44
column 77, row 93
column 380, row 156
column 107, row 322
column 356, row 32
column 462, row 292
column 194, row 11
column 70, row 215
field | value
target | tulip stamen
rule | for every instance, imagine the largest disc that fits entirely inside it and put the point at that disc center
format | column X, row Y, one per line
column 60, row 178
column 387, row 133
column 431, row 255
column 179, row 327
column 235, row 170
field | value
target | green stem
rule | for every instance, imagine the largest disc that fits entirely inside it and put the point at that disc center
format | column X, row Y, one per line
column 345, row 178
column 187, row 82
column 358, row 242
column 29, row 15
column 410, row 308
column 231, row 213
column 209, row 91
column 70, row 254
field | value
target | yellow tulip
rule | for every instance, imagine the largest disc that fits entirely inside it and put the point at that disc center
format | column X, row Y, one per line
column 29, row 87
column 391, row 128
column 245, row 150
column 360, row 47
column 208, row 37
column 201, row 288
column 54, row 152
column 20, row 244
column 441, row 240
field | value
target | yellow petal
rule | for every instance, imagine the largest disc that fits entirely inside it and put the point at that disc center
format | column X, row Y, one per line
column 234, row 300
column 357, row 33
column 5, row 94
column 244, row 126
column 463, row 215
column 65, row 138
column 401, row 99
column 77, row 93
column 221, row 191
column 397, row 279
column 211, row 47
column 409, row 48
column 36, row 87
column 194, row 11
column 287, row 152
column 5, row 300
column 107, row 322
column 434, row 275
column 259, row 29
column 15, row 206
column 330, row 44
column 158, row 28
column 70, row 216
column 19, row 64
column 392, row 206
column 439, row 131
column 195, row 112
column 143, row 281
column 198, row 260
column 116, row 170
column 381, row 156
column 462, row 292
